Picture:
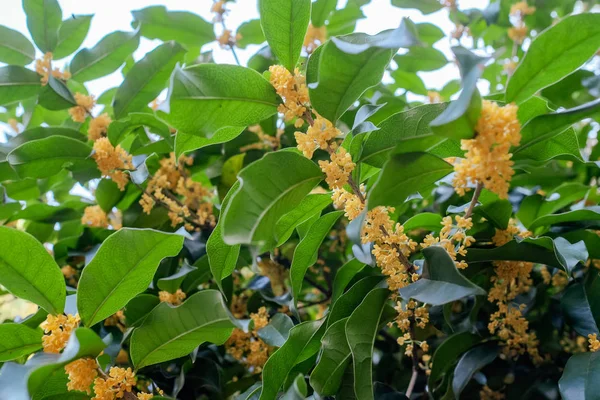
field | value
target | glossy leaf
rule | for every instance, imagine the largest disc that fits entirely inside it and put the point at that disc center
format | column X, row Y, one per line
column 71, row 35
column 581, row 377
column 425, row 6
column 347, row 302
column 29, row 272
column 43, row 21
column 15, row 49
column 327, row 376
column 449, row 351
column 105, row 57
column 441, row 282
column 184, row 142
column 284, row 24
column 307, row 251
column 405, row 174
column 201, row 318
column 343, row 276
column 42, row 158
column 277, row 331
column 576, row 306
column 207, row 97
column 361, row 329
column 146, row 79
column 555, row 53
column 18, row 340
column 17, row 83
column 188, row 29
column 471, row 362
column 310, row 206
column 122, row 268
column 263, row 197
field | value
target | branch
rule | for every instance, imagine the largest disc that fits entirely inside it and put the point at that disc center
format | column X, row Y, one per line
column 474, row 200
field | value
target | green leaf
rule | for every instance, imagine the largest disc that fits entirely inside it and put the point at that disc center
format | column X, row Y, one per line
column 347, row 302
column 119, row 130
column 105, row 57
column 17, row 83
column 204, row 98
column 29, row 272
column 409, row 81
column 18, row 340
column 250, row 32
column 173, row 282
column 447, row 353
column 122, row 268
column 263, row 197
column 307, row 251
column 425, row 6
column 184, row 142
column 15, row 48
column 108, row 194
column 546, row 127
column 403, row 130
column 42, row 132
column 302, row 343
column 344, row 276
column 426, row 220
column 285, row 23
column 201, row 318
column 555, row 53
column 83, row 342
column 147, row 78
column 71, row 35
column 361, row 330
column 222, row 257
column 43, row 158
column 327, row 376
column 277, row 331
column 405, row 174
column 56, row 96
column 471, row 362
column 297, row 391
column 441, row 282
column 581, row 377
column 43, row 21
column 576, row 306
column 321, row 9
column 421, row 59
column 346, row 67
column 139, row 308
column 583, row 214
column 429, row 33
column 183, row 27
column 459, row 119
column 310, row 206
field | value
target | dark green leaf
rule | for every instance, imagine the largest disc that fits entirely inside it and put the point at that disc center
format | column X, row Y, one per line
column 297, row 391
column 284, row 24
column 327, row 376
column 204, row 98
column 343, row 276
column 583, row 214
column 307, row 251
column 71, row 35
column 108, row 194
column 576, row 307
column 581, row 377
column 56, row 96
column 105, row 57
column 138, row 309
column 448, row 352
column 427, row 221
column 361, row 330
column 147, row 78
column 263, row 197
column 277, row 331
column 17, row 83
column 302, row 343
column 471, row 362
column 321, row 9
column 42, row 158
column 405, row 174
column 173, row 282
column 183, row 27
column 347, row 302
column 310, row 206
column 43, row 21
column 29, row 272
column 15, row 49
column 555, row 53
column 122, row 268
column 184, row 142
column 441, row 282
column 201, row 318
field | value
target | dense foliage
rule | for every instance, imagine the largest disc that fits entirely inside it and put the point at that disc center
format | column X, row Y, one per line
column 317, row 224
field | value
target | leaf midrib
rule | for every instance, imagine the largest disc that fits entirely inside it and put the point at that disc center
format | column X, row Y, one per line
column 106, row 54
column 3, row 261
column 227, row 98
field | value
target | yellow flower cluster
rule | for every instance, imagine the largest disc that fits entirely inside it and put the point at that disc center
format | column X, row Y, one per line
column 81, row 373
column 225, row 39
column 117, row 319
column 293, row 90
column 248, row 348
column 519, row 31
column 521, row 9
column 518, row 34
column 594, row 342
column 317, row 136
column 99, row 127
column 144, row 396
column 112, row 161
column 342, row 199
column 95, row 217
column 172, row 179
column 276, row 274
column 118, row 382
column 453, row 238
column 314, row 37
column 172, row 298
column 391, row 245
column 338, row 169
column 43, row 67
column 487, row 159
column 511, row 279
column 218, row 7
column 57, row 329
column 83, row 108
column 577, row 345
column 265, row 142
column 488, row 394
column 408, row 312
column 70, row 275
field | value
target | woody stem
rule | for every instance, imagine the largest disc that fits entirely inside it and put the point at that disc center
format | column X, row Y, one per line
column 474, row 200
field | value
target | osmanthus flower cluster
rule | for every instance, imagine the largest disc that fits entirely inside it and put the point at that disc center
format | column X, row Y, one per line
column 43, row 66
column 247, row 347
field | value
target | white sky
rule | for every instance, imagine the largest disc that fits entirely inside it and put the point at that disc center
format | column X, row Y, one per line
column 111, row 15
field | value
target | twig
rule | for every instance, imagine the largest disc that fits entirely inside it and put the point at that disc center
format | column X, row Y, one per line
column 415, row 360
column 474, row 200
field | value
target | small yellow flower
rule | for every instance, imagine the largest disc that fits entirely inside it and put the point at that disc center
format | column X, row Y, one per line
column 81, row 373
column 112, row 161
column 58, row 329
column 172, row 298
